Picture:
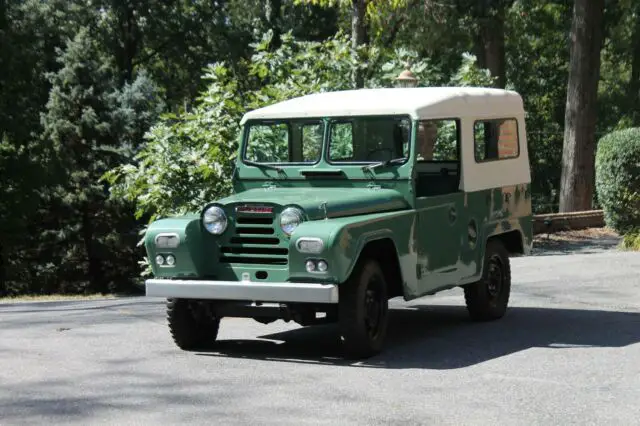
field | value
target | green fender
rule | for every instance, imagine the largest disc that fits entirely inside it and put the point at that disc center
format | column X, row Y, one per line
column 345, row 238
column 193, row 254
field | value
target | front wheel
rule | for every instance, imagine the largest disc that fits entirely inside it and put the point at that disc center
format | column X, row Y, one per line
column 488, row 298
column 193, row 324
column 363, row 311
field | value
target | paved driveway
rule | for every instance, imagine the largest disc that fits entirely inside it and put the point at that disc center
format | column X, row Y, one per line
column 568, row 352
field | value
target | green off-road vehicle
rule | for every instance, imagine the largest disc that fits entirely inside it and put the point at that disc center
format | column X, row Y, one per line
column 344, row 200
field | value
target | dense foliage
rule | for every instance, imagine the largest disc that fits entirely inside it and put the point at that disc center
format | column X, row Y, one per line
column 113, row 113
column 618, row 179
column 188, row 157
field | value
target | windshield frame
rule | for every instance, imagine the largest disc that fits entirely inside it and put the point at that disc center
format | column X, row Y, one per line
column 341, row 119
column 288, row 121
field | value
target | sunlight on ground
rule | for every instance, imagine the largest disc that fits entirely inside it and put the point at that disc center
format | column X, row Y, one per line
column 54, row 298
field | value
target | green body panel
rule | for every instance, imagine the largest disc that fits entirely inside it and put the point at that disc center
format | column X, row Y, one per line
column 433, row 247
column 192, row 253
column 499, row 211
column 321, row 203
column 441, row 227
column 439, row 240
column 345, row 238
column 336, row 174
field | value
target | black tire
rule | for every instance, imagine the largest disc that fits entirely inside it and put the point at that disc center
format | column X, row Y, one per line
column 192, row 324
column 488, row 298
column 363, row 309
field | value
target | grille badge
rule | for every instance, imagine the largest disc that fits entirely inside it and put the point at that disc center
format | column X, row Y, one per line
column 254, row 209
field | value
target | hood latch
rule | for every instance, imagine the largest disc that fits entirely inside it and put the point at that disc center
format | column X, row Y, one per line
column 269, row 185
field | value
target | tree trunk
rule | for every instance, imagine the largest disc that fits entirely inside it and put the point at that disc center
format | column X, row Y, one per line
column 272, row 15
column 358, row 34
column 94, row 268
column 490, row 37
column 127, row 40
column 3, row 274
column 492, row 51
column 634, row 83
column 578, row 155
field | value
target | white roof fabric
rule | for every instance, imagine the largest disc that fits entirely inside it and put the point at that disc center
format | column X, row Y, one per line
column 418, row 103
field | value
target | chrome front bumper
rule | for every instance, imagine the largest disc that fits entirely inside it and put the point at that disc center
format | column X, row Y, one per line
column 243, row 290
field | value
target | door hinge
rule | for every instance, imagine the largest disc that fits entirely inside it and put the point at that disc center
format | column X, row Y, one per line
column 373, row 185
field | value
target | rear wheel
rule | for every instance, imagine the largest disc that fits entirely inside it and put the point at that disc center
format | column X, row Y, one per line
column 363, row 311
column 193, row 324
column 488, row 298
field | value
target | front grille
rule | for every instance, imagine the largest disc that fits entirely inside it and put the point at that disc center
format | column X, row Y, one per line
column 254, row 241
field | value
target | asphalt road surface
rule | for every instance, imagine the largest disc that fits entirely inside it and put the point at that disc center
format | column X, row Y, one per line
column 567, row 352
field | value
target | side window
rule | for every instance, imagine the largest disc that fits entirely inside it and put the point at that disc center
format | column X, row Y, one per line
column 496, row 139
column 369, row 139
column 341, row 147
column 311, row 142
column 438, row 140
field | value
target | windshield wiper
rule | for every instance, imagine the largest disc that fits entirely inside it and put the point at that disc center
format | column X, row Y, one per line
column 263, row 165
column 384, row 163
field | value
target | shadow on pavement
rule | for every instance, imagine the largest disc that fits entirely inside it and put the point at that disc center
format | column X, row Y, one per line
column 554, row 247
column 442, row 337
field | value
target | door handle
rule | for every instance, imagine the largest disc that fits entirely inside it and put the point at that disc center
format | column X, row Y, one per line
column 452, row 214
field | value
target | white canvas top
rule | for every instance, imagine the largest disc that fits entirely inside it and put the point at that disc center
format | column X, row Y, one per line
column 418, row 103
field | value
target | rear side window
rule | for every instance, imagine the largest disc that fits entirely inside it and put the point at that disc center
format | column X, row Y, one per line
column 438, row 140
column 496, row 139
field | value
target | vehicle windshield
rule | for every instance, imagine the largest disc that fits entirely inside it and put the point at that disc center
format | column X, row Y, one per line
column 284, row 141
column 369, row 139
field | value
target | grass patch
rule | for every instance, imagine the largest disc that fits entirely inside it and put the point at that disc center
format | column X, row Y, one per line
column 631, row 241
column 54, row 298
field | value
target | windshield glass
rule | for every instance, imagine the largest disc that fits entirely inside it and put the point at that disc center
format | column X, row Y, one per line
column 284, row 142
column 369, row 139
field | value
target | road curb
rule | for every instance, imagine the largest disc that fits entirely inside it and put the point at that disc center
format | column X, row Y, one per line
column 557, row 222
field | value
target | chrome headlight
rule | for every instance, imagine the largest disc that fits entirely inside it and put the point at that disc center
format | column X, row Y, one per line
column 214, row 220
column 290, row 218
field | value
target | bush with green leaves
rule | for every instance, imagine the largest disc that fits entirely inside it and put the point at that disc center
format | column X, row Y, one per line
column 631, row 240
column 188, row 158
column 618, row 179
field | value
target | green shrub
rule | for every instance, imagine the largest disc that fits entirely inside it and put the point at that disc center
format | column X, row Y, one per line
column 631, row 240
column 618, row 179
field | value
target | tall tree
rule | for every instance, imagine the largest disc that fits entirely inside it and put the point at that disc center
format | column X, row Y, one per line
column 358, row 34
column 371, row 23
column 487, row 18
column 578, row 156
column 359, row 29
column 30, row 32
column 484, row 22
column 491, row 37
column 543, row 91
column 273, row 9
column 91, row 125
column 77, row 125
column 634, row 82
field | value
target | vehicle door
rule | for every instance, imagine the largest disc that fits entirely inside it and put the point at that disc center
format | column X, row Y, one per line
column 439, row 203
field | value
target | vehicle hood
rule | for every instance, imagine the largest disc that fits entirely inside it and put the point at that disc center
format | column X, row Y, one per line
column 338, row 202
